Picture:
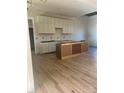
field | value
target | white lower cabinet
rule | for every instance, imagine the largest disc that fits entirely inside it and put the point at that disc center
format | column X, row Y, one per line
column 44, row 48
column 47, row 47
column 52, row 47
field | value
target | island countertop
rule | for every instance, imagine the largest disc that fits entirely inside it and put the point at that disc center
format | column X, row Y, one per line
column 72, row 42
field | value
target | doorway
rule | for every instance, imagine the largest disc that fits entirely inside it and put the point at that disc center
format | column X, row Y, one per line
column 31, row 34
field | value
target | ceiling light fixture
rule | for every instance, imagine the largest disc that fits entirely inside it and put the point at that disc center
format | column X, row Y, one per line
column 43, row 1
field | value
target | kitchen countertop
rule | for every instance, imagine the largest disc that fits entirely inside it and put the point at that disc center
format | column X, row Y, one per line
column 55, row 41
column 63, row 41
column 68, row 43
column 71, row 42
column 47, row 41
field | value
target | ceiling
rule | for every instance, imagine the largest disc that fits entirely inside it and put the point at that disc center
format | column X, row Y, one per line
column 71, row 8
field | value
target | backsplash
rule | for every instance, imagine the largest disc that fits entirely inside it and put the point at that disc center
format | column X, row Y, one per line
column 57, row 36
column 53, row 37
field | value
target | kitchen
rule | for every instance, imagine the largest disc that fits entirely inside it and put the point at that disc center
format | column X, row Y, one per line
column 52, row 30
column 65, row 45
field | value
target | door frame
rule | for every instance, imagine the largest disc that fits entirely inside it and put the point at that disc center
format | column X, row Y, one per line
column 31, row 18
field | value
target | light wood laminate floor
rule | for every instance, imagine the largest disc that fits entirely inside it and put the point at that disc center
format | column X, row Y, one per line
column 73, row 75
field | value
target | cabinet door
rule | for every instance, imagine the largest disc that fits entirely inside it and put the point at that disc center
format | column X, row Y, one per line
column 44, row 48
column 56, row 22
column 71, row 27
column 43, row 18
column 84, row 47
column 48, row 19
column 76, row 48
column 59, row 23
column 52, row 47
column 52, row 20
column 67, row 27
column 63, row 23
column 66, row 50
column 46, row 28
column 64, row 29
column 41, row 28
column 52, row 28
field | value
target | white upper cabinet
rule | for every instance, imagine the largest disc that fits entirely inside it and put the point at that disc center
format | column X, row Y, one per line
column 41, row 28
column 57, row 22
column 63, row 23
column 42, row 19
column 65, row 28
column 48, row 25
column 48, row 19
column 51, row 28
column 60, row 23
column 47, row 28
column 45, row 19
column 71, row 27
column 68, row 27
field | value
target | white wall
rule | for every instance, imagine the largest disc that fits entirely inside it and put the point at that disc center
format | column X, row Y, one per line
column 80, row 30
column 92, row 30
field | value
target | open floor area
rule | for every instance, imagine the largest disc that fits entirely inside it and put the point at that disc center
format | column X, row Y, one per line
column 72, row 75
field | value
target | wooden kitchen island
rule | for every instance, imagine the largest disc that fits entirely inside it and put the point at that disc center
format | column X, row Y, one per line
column 70, row 49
